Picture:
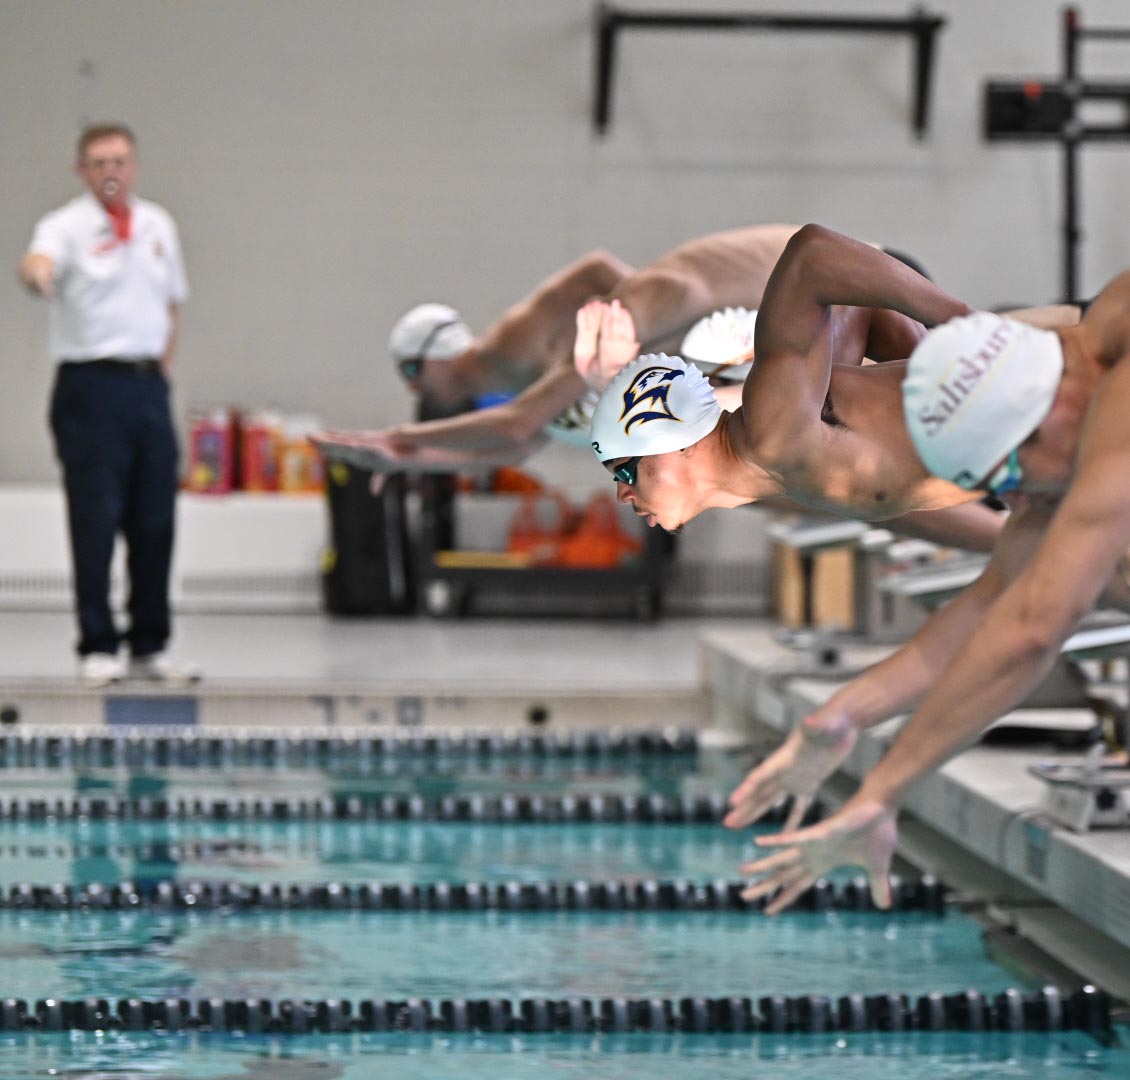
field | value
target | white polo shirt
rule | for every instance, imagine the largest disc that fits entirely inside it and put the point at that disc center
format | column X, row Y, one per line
column 112, row 298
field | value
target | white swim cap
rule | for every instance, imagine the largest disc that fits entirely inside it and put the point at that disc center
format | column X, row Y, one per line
column 721, row 344
column 975, row 389
column 430, row 332
column 655, row 405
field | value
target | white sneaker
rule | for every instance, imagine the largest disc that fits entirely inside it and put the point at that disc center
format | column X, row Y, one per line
column 100, row 669
column 161, row 667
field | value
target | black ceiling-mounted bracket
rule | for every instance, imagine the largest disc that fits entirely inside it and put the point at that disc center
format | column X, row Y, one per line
column 920, row 26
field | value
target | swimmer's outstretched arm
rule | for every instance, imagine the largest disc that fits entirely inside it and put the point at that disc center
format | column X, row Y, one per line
column 1018, row 640
column 508, row 427
column 894, row 686
column 512, row 423
column 372, row 450
column 1009, row 649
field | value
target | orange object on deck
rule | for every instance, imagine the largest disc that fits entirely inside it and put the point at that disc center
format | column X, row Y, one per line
column 508, row 480
column 599, row 542
column 530, row 534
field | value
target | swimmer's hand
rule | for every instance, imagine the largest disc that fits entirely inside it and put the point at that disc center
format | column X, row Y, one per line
column 392, row 450
column 585, row 342
column 605, row 342
column 862, row 833
column 813, row 751
column 375, row 450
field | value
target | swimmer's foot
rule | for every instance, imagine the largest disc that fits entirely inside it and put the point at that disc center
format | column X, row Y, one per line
column 618, row 345
column 584, row 345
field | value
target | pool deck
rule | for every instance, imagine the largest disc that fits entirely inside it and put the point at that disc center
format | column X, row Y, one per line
column 313, row 671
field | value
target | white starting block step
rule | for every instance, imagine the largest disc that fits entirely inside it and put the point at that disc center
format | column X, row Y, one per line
column 933, row 584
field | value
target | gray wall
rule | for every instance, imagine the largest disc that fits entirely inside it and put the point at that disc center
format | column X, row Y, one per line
column 331, row 163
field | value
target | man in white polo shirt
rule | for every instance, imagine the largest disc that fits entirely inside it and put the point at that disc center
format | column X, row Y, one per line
column 110, row 266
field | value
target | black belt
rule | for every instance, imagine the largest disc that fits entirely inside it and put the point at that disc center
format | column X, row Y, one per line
column 145, row 366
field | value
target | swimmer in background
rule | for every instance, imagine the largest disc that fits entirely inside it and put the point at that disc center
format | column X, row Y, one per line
column 1039, row 418
column 544, row 348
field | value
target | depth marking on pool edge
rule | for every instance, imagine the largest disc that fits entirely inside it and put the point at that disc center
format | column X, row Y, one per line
column 170, row 711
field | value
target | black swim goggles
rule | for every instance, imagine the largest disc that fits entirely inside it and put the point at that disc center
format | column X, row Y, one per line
column 626, row 471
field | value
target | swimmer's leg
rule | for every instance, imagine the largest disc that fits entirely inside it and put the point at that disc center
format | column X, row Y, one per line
column 664, row 304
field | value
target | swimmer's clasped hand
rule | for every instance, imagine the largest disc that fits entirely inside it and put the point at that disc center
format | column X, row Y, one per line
column 605, row 342
column 862, row 833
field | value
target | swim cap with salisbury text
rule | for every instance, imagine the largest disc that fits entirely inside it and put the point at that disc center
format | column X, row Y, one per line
column 721, row 344
column 655, row 405
column 430, row 332
column 976, row 387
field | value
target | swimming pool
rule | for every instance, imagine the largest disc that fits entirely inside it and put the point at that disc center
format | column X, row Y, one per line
column 599, row 937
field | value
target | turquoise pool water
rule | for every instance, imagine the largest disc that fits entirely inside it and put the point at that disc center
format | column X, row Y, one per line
column 361, row 851
column 357, row 954
column 479, row 954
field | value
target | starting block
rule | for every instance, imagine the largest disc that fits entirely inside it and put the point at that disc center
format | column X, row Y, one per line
column 1092, row 795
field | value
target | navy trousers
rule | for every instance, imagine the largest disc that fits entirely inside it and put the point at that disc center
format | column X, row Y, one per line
column 115, row 440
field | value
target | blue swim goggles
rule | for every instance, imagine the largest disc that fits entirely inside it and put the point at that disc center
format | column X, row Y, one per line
column 1007, row 478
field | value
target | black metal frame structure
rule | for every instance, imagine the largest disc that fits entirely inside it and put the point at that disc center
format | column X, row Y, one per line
column 1054, row 116
column 610, row 21
column 447, row 590
column 1077, row 133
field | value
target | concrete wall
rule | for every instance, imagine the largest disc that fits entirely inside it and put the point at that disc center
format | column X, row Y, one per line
column 331, row 163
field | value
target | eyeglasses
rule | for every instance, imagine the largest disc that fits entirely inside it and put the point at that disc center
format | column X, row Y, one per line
column 1008, row 477
column 410, row 369
column 626, row 471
